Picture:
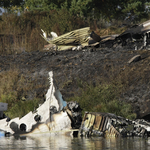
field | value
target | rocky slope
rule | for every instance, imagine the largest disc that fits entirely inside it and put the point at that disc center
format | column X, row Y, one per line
column 93, row 65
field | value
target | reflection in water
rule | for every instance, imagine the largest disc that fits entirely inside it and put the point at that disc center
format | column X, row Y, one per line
column 62, row 142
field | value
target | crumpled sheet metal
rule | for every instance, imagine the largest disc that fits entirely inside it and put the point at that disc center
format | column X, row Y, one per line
column 71, row 39
column 81, row 37
column 110, row 125
column 97, row 124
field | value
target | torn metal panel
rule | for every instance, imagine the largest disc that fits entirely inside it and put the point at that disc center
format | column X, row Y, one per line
column 108, row 41
column 106, row 124
column 138, row 36
column 95, row 124
column 109, row 37
column 71, row 39
column 75, row 37
column 136, row 33
column 145, row 26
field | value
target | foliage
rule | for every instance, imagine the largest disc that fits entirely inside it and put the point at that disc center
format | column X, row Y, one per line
column 61, row 22
column 93, row 8
column 80, row 7
column 119, row 9
column 12, row 5
column 41, row 5
column 21, row 108
column 9, row 3
column 103, row 98
column 109, row 9
column 13, row 89
column 135, row 9
column 22, row 33
column 75, row 7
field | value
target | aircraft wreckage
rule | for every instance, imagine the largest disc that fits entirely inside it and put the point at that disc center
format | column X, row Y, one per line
column 73, row 39
column 138, row 36
column 53, row 116
column 56, row 116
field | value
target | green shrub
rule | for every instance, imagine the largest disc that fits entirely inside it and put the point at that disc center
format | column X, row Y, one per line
column 61, row 22
column 21, row 108
column 13, row 90
column 103, row 98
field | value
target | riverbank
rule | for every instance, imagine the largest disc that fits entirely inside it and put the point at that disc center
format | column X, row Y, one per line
column 91, row 65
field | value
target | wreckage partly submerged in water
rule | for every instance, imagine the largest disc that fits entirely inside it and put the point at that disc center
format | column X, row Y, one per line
column 56, row 116
column 53, row 116
column 110, row 125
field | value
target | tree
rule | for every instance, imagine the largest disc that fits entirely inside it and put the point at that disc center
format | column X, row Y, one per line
column 80, row 7
column 109, row 9
column 119, row 9
column 9, row 3
column 43, row 5
column 12, row 5
column 135, row 9
column 75, row 7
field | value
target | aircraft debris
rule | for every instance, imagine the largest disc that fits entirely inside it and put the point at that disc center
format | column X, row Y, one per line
column 79, row 37
column 135, row 34
column 56, row 116
column 138, row 36
column 108, row 41
column 108, row 125
column 50, row 117
column 134, row 59
column 95, row 37
column 48, row 37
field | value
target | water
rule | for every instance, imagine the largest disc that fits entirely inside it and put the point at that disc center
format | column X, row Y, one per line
column 68, row 143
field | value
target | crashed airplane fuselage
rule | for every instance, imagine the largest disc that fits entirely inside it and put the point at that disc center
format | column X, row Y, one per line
column 53, row 116
column 135, row 34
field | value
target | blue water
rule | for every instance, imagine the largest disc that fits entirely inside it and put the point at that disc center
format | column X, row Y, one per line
column 69, row 143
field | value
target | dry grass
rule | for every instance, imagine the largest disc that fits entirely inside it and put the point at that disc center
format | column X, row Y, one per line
column 13, row 90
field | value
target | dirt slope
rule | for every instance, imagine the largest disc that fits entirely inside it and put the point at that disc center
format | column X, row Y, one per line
column 94, row 65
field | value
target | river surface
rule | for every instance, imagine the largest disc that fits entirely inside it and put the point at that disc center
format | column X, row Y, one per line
column 62, row 142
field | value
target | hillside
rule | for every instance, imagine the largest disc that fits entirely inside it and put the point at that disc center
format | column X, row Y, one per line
column 91, row 65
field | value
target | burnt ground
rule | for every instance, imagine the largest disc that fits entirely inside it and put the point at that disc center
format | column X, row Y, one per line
column 93, row 65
